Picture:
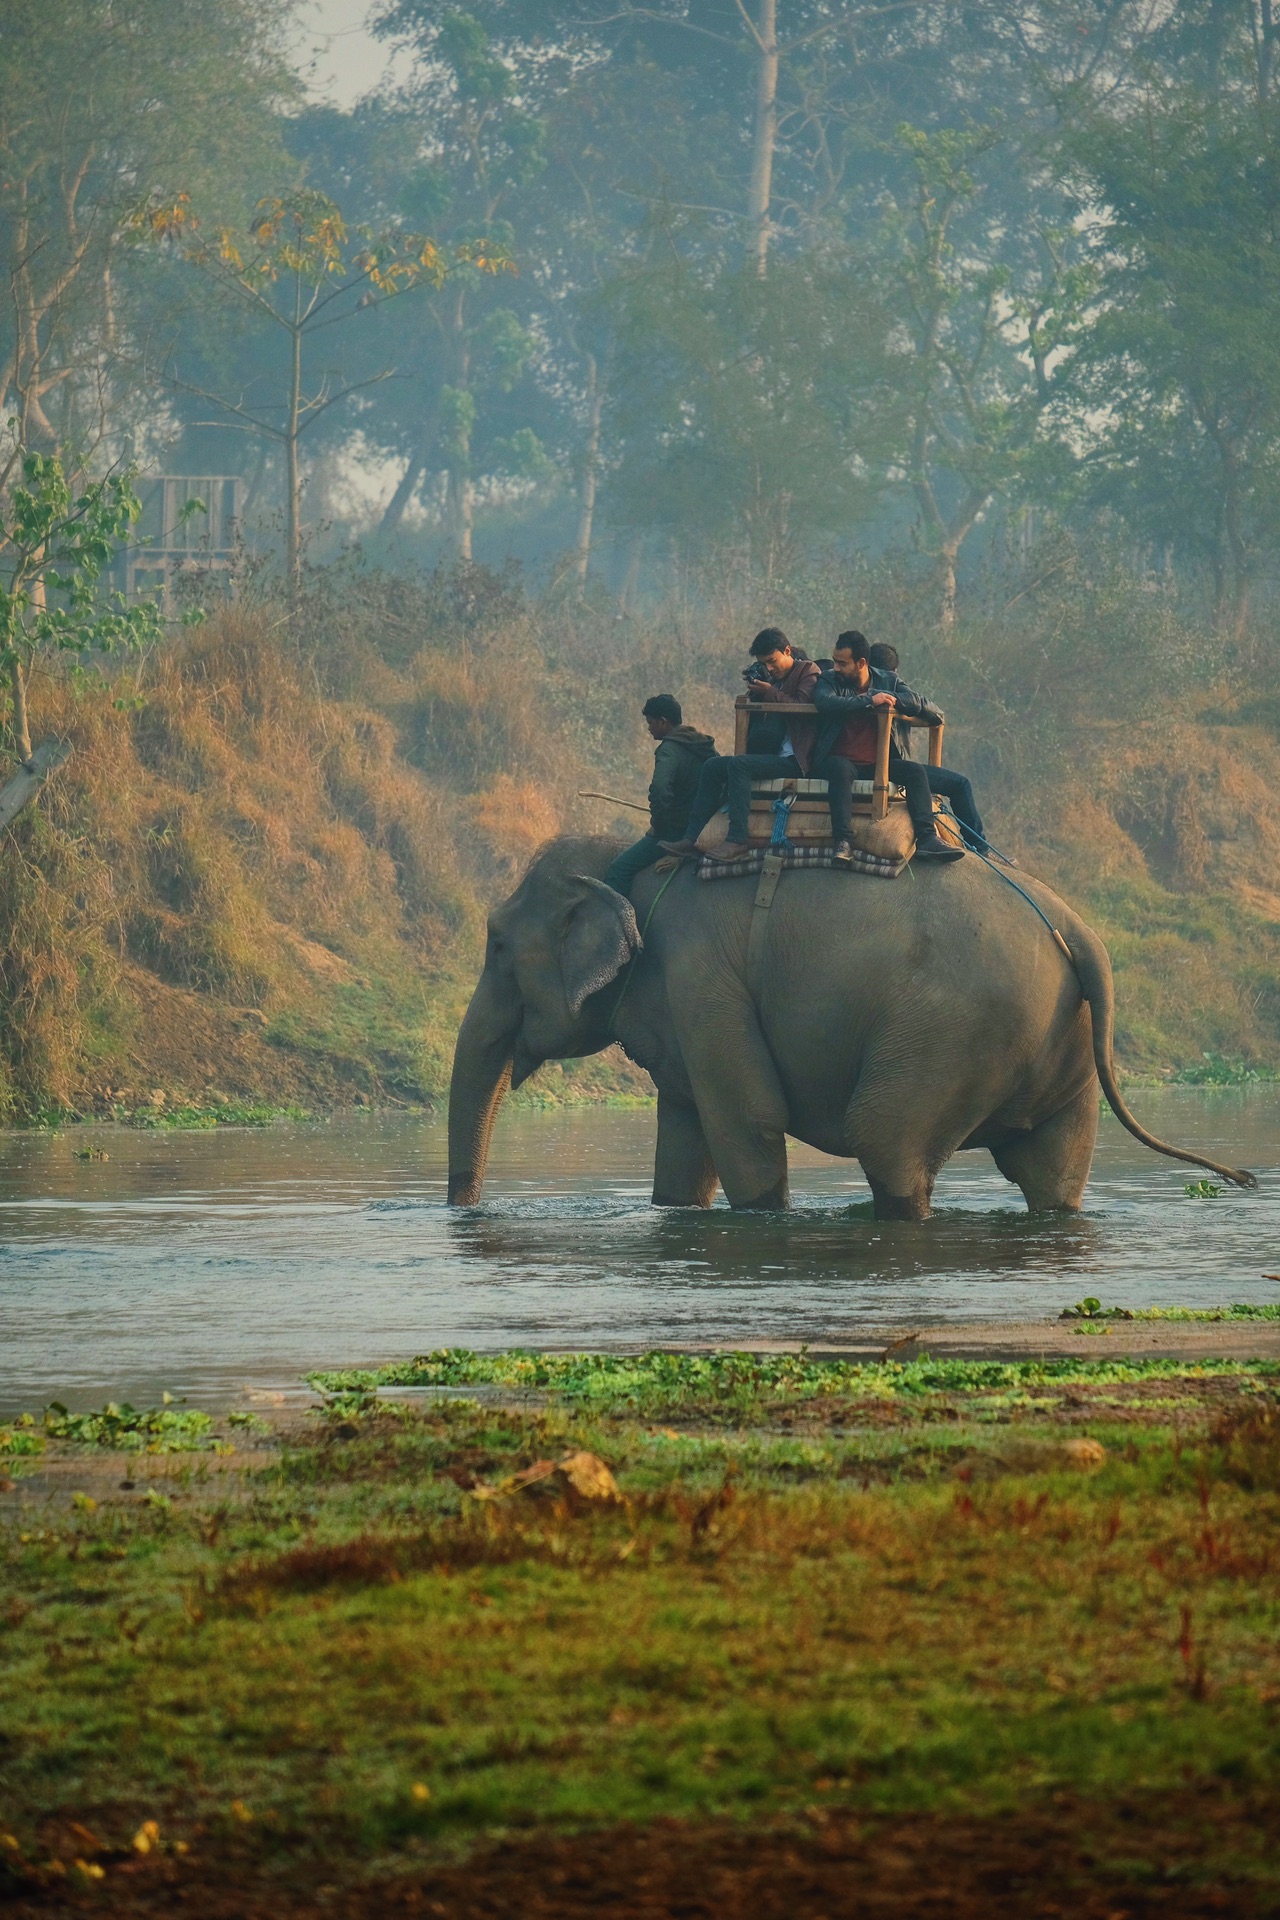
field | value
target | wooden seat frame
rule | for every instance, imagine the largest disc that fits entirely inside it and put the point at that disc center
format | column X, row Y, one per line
column 745, row 706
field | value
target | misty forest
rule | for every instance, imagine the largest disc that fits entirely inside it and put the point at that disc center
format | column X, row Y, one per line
column 537, row 382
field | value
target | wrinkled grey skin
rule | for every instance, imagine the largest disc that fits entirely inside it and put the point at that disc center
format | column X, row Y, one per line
column 899, row 1023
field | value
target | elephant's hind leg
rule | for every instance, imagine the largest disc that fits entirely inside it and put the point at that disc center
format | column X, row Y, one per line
column 683, row 1173
column 1051, row 1162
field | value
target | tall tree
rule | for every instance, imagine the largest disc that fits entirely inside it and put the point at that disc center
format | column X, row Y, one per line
column 100, row 105
column 1178, row 387
column 301, row 275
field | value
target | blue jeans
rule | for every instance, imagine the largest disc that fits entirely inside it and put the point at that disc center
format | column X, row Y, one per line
column 955, row 788
column 621, row 873
column 732, row 775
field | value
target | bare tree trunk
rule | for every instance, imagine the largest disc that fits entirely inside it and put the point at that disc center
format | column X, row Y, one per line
column 21, row 722
column 293, row 481
column 459, row 508
column 765, row 137
column 587, row 494
column 631, row 579
column 395, row 508
column 947, row 585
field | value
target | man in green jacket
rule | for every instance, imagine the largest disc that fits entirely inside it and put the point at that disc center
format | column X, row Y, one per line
column 678, row 761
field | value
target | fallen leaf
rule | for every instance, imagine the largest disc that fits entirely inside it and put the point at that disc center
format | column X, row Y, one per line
column 241, row 1812
column 147, row 1838
column 419, row 1791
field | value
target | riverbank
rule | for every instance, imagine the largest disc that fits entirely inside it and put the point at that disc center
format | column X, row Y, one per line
column 779, row 1636
column 262, row 875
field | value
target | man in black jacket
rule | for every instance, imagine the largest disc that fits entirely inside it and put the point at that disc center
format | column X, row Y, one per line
column 946, row 781
column 849, row 698
column 680, row 756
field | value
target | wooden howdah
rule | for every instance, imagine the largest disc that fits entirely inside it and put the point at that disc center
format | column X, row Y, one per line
column 880, row 822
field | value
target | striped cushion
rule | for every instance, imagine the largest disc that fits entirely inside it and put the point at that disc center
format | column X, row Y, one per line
column 882, row 867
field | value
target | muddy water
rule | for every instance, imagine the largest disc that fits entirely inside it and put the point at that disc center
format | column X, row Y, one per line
column 201, row 1262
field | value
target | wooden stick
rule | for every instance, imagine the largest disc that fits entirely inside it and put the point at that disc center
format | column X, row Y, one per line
column 583, row 794
column 880, row 786
column 30, row 777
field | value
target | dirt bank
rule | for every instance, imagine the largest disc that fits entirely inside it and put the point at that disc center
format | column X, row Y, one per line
column 1176, row 1856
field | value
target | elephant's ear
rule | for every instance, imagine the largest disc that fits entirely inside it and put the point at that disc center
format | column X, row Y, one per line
column 600, row 935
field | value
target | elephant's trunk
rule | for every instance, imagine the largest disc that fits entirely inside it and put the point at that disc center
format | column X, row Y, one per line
column 1093, row 970
column 481, row 1076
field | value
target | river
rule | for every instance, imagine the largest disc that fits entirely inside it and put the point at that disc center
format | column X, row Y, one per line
column 202, row 1262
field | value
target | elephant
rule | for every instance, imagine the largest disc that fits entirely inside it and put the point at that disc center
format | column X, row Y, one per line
column 891, row 1022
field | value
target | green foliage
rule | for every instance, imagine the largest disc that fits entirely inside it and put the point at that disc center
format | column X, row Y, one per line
column 733, row 1384
column 166, row 1429
column 54, row 546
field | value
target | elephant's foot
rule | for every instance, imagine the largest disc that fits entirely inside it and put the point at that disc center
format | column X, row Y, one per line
column 776, row 1199
column 900, row 1206
column 699, row 1199
column 464, row 1189
column 683, row 1172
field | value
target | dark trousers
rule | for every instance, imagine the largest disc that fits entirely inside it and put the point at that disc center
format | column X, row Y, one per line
column 621, row 873
column 955, row 788
column 840, row 775
column 732, row 775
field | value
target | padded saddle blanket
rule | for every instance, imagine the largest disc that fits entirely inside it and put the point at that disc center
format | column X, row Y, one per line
column 877, row 864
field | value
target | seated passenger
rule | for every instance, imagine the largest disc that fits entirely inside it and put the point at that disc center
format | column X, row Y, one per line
column 945, row 781
column 848, row 699
column 677, row 762
column 779, row 746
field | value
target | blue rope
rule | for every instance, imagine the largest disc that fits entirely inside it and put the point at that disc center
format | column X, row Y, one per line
column 778, row 841
column 1002, row 875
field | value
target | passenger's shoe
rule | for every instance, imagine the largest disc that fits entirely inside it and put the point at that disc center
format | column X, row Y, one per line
column 842, row 854
column 733, row 850
column 682, row 849
column 934, row 847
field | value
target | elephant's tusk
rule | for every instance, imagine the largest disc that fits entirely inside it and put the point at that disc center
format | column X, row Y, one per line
column 613, row 799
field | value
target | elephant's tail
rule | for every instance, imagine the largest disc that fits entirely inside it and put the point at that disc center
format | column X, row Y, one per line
column 1093, row 970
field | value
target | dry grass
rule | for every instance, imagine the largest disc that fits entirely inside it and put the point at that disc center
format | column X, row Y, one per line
column 306, row 825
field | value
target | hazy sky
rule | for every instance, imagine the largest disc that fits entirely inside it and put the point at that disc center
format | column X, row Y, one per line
column 336, row 49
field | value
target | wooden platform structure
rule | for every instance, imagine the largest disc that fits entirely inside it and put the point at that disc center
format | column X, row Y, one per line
column 880, row 820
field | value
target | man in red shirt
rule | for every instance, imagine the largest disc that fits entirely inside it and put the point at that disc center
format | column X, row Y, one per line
column 849, row 697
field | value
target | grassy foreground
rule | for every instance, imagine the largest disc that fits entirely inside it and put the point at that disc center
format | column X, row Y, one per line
column 834, row 1612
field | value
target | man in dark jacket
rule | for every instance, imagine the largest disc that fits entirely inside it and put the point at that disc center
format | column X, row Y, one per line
column 946, row 781
column 680, row 756
column 779, row 746
column 849, row 699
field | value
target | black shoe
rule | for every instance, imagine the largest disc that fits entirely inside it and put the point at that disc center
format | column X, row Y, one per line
column 936, row 848
column 842, row 854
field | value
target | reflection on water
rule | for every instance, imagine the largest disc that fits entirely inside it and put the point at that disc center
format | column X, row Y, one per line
column 197, row 1262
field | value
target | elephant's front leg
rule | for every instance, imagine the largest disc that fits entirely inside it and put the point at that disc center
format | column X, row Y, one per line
column 684, row 1174
column 740, row 1100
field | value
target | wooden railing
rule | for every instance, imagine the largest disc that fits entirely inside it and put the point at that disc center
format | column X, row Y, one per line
column 745, row 706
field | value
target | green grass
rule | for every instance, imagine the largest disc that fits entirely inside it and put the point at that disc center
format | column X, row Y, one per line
column 888, row 1588
column 228, row 1114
